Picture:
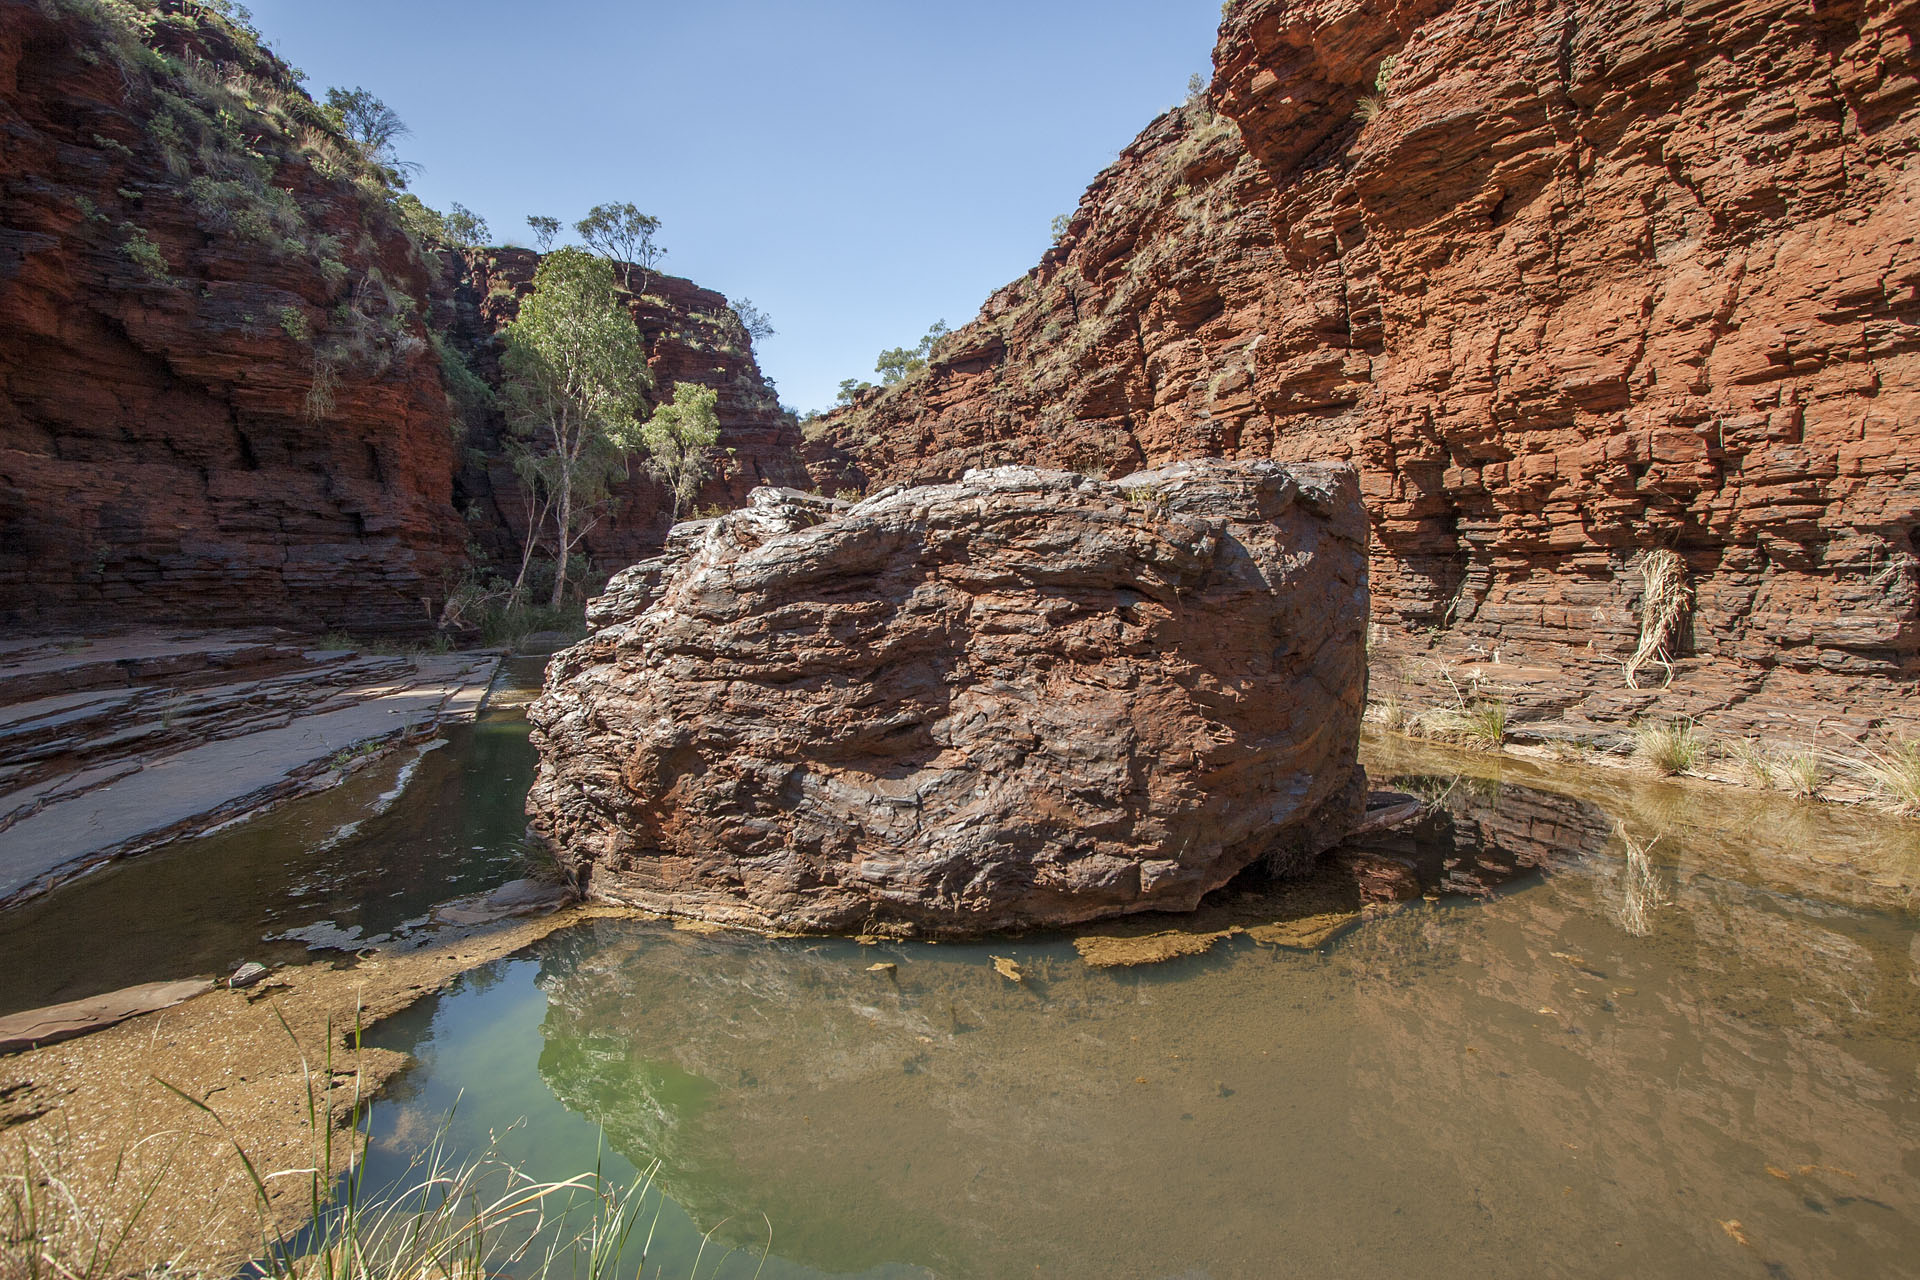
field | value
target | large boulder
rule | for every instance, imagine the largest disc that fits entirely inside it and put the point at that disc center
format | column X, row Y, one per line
column 1026, row 698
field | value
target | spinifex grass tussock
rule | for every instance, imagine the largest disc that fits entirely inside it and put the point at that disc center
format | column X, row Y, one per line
column 1474, row 721
column 1389, row 714
column 1670, row 746
column 1753, row 762
column 1891, row 774
column 1478, row 723
column 1803, row 773
column 448, row 1218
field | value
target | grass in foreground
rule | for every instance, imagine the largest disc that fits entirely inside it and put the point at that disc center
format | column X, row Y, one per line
column 448, row 1219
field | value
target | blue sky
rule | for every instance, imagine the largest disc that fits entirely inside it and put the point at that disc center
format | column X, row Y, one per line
column 858, row 169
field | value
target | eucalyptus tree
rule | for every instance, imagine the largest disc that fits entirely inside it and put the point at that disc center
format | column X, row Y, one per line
column 544, row 230
column 575, row 375
column 463, row 228
column 373, row 126
column 622, row 234
column 677, row 439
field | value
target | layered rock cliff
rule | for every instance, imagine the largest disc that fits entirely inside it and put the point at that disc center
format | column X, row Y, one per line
column 690, row 334
column 220, row 401
column 1567, row 282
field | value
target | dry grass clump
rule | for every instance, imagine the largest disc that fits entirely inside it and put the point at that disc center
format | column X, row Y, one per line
column 1803, row 773
column 1892, row 775
column 50, row 1231
column 1477, row 723
column 446, row 1219
column 1670, row 746
column 1389, row 714
column 1663, row 600
column 1754, row 762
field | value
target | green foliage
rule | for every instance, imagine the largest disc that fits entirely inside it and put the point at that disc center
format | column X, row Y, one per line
column 900, row 363
column 677, row 438
column 624, row 235
column 850, row 390
column 421, row 222
column 468, row 395
column 753, row 321
column 1061, row 222
column 465, row 229
column 294, row 321
column 544, row 230
column 373, row 127
column 146, row 255
column 574, row 377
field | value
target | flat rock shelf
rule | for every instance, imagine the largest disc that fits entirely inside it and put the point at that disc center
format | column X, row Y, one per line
column 114, row 745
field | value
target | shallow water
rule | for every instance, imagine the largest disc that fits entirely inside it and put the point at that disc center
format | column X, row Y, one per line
column 340, row 868
column 1565, row 1062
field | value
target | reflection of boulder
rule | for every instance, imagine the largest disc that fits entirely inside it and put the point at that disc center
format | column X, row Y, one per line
column 1479, row 835
column 1022, row 699
column 1412, row 1100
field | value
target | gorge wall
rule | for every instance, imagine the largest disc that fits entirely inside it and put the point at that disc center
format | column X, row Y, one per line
column 1567, row 282
column 220, row 399
column 228, row 364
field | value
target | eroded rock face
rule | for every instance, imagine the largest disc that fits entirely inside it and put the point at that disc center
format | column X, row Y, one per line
column 1578, row 281
column 205, row 415
column 1020, row 699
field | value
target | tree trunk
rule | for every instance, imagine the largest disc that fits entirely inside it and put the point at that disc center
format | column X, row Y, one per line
column 536, row 516
column 563, row 522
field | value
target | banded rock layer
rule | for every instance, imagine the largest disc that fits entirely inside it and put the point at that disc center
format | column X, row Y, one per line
column 218, row 399
column 1020, row 699
column 1566, row 282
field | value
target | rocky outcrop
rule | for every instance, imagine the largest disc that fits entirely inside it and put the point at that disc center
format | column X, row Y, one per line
column 690, row 335
column 1566, row 283
column 220, row 400
column 1020, row 699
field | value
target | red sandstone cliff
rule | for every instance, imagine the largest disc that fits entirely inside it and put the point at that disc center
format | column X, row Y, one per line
column 690, row 335
column 1568, row 282
column 184, row 253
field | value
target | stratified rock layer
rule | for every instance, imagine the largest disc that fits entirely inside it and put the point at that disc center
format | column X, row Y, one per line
column 1021, row 699
column 1565, row 282
column 218, row 402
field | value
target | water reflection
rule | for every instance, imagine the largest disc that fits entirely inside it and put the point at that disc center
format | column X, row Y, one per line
column 1573, row 1061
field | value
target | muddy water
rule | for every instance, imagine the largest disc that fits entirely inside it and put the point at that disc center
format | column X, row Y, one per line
column 1569, row 1060
column 362, row 862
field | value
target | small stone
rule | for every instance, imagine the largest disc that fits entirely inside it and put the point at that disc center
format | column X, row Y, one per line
column 246, row 975
column 884, row 967
column 1008, row 969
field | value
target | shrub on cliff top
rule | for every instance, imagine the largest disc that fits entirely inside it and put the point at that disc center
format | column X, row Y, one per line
column 623, row 235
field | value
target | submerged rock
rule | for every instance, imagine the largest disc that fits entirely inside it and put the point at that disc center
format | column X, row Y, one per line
column 1022, row 699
